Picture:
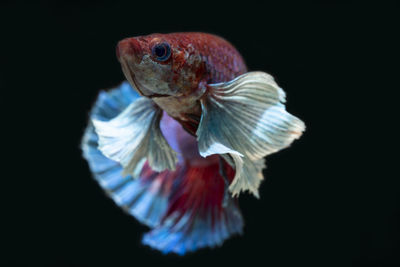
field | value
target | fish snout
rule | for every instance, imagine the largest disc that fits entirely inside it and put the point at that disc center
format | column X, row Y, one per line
column 129, row 49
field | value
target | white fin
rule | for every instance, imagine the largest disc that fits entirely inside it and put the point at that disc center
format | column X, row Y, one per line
column 248, row 175
column 135, row 134
column 246, row 115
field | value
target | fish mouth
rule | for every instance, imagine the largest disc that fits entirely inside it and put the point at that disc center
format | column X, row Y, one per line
column 139, row 87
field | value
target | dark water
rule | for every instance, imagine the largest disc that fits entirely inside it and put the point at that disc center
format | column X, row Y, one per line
column 326, row 201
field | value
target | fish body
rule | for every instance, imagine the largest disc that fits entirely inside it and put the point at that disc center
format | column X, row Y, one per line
column 177, row 83
column 187, row 133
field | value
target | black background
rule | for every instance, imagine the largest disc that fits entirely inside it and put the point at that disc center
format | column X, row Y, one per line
column 324, row 201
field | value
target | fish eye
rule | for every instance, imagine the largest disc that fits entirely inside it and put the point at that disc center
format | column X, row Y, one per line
column 161, row 51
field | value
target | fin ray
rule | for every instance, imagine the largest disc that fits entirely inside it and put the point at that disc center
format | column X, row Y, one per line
column 127, row 192
column 184, row 207
column 135, row 134
column 247, row 119
column 196, row 217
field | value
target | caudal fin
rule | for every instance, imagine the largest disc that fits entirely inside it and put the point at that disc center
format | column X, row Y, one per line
column 187, row 208
column 140, row 195
column 200, row 213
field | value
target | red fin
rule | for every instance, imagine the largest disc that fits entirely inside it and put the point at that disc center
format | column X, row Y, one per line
column 197, row 215
column 201, row 189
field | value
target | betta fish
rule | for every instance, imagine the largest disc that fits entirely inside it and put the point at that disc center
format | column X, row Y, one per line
column 176, row 143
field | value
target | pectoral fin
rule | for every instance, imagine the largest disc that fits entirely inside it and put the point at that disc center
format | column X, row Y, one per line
column 135, row 135
column 246, row 115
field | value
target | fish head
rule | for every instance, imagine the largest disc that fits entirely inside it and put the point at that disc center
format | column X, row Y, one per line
column 159, row 65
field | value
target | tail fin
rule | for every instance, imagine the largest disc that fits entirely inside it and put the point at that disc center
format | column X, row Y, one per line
column 197, row 215
column 185, row 207
column 142, row 198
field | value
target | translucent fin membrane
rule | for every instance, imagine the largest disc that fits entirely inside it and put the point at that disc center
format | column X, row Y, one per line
column 135, row 135
column 247, row 119
column 143, row 197
column 185, row 206
column 196, row 216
